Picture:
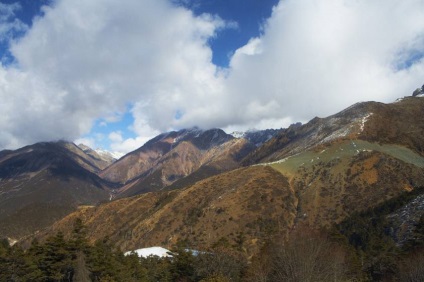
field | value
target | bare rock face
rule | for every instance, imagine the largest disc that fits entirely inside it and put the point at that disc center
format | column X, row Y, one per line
column 173, row 156
column 418, row 91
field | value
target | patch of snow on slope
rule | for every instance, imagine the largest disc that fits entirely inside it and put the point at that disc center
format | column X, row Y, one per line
column 185, row 132
column 346, row 130
column 399, row 99
column 363, row 121
column 152, row 251
column 276, row 162
column 337, row 134
column 238, row 134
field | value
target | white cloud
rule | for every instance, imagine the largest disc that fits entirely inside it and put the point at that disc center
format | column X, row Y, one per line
column 318, row 56
column 115, row 136
column 85, row 60
column 89, row 60
column 129, row 144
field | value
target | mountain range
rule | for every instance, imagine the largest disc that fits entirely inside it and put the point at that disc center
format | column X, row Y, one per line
column 43, row 182
column 209, row 187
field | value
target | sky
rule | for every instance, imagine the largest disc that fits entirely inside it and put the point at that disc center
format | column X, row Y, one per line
column 113, row 74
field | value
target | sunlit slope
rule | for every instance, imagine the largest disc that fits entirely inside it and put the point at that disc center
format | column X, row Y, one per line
column 248, row 204
column 400, row 123
column 342, row 150
column 349, row 176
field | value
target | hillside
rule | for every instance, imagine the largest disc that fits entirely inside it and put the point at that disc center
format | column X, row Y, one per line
column 40, row 184
column 256, row 202
column 399, row 123
column 250, row 202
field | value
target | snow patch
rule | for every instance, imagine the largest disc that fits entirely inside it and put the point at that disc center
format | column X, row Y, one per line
column 152, row 251
column 238, row 134
column 337, row 134
column 363, row 121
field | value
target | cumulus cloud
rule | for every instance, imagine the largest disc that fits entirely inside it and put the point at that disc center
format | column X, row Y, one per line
column 86, row 60
column 318, row 56
column 315, row 58
column 89, row 59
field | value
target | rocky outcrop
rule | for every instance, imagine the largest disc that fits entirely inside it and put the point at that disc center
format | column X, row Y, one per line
column 418, row 91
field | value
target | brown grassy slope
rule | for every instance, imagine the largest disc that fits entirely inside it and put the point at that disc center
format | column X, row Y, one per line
column 396, row 123
column 255, row 201
column 330, row 191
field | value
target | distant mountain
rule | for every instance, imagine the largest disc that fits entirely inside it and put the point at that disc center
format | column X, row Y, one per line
column 172, row 156
column 256, row 137
column 103, row 158
column 114, row 156
column 43, row 182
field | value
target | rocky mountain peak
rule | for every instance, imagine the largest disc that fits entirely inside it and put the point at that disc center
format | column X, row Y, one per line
column 418, row 91
column 101, row 155
column 256, row 137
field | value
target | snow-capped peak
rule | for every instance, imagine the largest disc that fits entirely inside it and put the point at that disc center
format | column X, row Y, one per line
column 257, row 137
column 105, row 153
column 238, row 134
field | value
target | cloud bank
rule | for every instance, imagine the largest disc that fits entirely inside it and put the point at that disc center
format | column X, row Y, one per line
column 88, row 60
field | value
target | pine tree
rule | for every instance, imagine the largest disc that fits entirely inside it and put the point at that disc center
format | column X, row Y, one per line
column 54, row 259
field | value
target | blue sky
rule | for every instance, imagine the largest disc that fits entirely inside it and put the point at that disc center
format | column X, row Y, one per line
column 250, row 15
column 24, row 11
column 114, row 74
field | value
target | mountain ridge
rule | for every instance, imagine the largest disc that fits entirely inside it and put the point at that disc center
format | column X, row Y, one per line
column 317, row 174
column 365, row 154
